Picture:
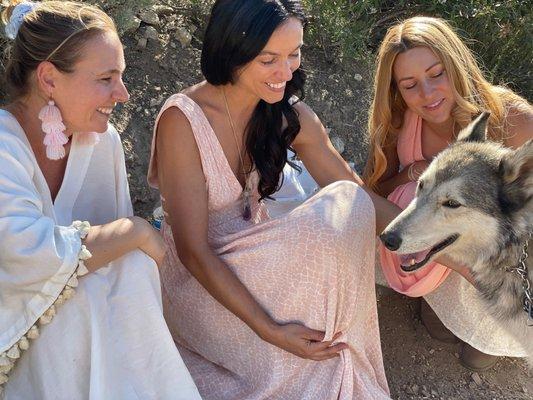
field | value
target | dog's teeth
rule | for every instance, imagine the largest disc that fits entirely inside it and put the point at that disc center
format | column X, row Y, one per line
column 413, row 262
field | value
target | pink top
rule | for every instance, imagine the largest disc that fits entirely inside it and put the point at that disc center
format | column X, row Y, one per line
column 426, row 279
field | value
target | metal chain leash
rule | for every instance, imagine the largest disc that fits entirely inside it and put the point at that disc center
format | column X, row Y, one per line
column 521, row 270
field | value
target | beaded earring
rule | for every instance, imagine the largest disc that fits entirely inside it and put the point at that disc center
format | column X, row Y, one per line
column 53, row 127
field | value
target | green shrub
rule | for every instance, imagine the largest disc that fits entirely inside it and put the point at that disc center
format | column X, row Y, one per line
column 499, row 32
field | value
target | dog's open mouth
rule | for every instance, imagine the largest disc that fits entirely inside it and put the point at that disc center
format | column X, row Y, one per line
column 412, row 262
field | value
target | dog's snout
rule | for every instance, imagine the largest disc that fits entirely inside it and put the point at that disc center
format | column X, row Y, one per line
column 391, row 240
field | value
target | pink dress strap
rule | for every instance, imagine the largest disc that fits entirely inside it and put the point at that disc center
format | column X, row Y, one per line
column 430, row 277
column 223, row 189
column 409, row 146
column 208, row 145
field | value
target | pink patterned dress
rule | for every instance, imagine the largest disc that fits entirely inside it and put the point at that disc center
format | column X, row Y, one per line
column 314, row 265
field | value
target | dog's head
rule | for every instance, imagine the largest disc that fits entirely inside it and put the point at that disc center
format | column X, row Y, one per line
column 474, row 195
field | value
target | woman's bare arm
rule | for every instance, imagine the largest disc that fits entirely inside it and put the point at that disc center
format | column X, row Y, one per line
column 520, row 128
column 327, row 166
column 115, row 239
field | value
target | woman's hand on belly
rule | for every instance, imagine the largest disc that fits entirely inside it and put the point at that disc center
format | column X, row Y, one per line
column 304, row 342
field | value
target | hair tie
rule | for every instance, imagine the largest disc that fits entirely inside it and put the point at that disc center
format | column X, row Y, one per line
column 17, row 18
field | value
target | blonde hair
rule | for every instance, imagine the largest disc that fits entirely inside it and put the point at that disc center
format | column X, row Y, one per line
column 54, row 31
column 472, row 92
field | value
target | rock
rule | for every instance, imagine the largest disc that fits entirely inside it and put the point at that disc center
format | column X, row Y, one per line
column 160, row 9
column 149, row 16
column 154, row 102
column 358, row 77
column 151, row 33
column 130, row 23
column 183, row 36
column 477, row 379
column 141, row 43
column 413, row 389
column 432, row 351
column 338, row 143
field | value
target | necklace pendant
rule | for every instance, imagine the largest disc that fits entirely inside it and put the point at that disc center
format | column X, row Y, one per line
column 247, row 207
column 247, row 212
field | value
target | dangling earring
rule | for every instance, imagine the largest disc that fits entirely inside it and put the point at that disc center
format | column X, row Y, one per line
column 53, row 127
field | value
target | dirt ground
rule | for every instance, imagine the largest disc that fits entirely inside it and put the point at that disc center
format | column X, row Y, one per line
column 417, row 366
column 420, row 367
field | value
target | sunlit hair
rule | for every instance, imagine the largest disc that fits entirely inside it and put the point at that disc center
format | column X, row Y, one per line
column 54, row 31
column 472, row 92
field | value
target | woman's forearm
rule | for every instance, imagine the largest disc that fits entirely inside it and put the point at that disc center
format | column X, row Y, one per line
column 115, row 239
column 386, row 211
column 459, row 268
column 387, row 186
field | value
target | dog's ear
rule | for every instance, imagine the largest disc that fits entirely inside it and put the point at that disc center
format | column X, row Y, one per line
column 476, row 131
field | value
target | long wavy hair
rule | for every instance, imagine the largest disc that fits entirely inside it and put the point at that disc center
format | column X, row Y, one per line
column 237, row 32
column 472, row 92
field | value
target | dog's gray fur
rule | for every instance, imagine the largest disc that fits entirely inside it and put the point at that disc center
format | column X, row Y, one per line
column 494, row 187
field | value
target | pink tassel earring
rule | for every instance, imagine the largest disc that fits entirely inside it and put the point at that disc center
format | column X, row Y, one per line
column 52, row 125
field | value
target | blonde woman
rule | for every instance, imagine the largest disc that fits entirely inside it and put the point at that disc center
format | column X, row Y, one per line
column 427, row 87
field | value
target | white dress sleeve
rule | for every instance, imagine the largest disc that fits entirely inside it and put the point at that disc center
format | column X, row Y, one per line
column 39, row 260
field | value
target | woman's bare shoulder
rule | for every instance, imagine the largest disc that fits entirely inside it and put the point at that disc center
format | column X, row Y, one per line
column 519, row 121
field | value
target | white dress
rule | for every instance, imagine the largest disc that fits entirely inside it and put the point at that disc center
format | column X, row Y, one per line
column 109, row 340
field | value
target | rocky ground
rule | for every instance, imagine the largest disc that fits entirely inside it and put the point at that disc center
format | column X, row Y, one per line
column 162, row 52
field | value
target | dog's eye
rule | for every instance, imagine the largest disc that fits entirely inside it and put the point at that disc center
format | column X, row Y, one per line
column 451, row 204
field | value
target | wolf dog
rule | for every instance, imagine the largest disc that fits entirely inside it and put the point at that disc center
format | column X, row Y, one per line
column 475, row 203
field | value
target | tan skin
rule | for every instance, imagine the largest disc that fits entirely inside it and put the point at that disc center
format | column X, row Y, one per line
column 179, row 166
column 95, row 84
column 423, row 83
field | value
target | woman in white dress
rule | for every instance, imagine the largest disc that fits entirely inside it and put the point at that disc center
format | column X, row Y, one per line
column 80, row 302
